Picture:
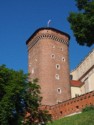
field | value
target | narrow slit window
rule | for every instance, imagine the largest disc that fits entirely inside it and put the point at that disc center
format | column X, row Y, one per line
column 57, row 76
column 53, row 56
column 57, row 66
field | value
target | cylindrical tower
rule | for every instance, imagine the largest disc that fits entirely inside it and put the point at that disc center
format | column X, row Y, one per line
column 48, row 61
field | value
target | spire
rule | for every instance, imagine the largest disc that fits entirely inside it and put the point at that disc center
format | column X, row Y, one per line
column 48, row 23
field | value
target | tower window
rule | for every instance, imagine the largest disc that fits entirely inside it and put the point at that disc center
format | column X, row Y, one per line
column 32, row 71
column 53, row 56
column 57, row 66
column 57, row 76
column 61, row 48
column 59, row 91
column 53, row 47
column 36, row 60
column 30, row 65
column 63, row 59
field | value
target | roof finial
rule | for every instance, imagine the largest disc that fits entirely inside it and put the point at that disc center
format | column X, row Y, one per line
column 48, row 23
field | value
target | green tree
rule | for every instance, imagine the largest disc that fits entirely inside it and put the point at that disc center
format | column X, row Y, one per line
column 82, row 23
column 20, row 99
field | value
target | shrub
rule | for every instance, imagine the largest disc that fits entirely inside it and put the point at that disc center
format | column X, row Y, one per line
column 88, row 108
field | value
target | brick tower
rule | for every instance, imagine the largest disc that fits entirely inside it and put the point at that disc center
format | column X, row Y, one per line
column 48, row 61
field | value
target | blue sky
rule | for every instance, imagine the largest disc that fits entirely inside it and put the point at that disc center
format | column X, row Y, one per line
column 20, row 18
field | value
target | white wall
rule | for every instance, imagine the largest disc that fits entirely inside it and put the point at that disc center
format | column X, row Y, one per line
column 85, row 65
column 74, row 91
column 88, row 79
column 91, row 81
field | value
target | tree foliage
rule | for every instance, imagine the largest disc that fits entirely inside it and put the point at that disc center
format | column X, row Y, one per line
column 20, row 99
column 82, row 23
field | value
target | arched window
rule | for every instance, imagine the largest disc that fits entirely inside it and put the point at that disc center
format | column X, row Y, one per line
column 59, row 91
column 32, row 71
column 61, row 48
column 63, row 59
column 57, row 66
column 53, row 56
column 57, row 76
column 30, row 65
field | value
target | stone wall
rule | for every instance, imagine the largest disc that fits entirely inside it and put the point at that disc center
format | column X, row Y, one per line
column 73, row 105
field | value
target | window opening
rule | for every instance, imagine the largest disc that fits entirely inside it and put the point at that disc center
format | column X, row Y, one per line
column 53, row 56
column 57, row 76
column 59, row 90
column 57, row 66
column 63, row 59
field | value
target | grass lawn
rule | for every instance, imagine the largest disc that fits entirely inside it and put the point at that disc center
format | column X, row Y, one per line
column 85, row 118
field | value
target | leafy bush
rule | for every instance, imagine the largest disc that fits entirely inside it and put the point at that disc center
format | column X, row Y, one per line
column 88, row 108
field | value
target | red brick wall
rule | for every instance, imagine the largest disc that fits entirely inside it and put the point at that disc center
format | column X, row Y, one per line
column 71, row 106
column 39, row 56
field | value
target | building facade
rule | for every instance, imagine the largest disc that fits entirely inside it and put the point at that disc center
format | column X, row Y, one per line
column 48, row 61
column 85, row 74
